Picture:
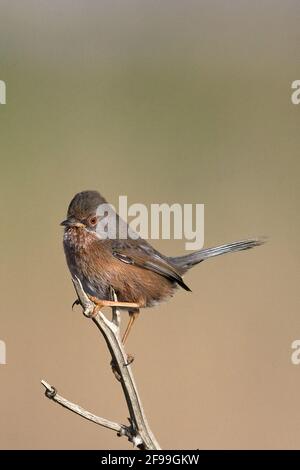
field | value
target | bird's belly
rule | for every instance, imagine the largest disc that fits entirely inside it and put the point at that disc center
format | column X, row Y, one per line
column 142, row 287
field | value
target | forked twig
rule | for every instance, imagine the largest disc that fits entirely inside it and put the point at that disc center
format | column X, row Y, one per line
column 138, row 432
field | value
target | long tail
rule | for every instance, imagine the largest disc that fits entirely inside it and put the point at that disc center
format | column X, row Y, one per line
column 185, row 262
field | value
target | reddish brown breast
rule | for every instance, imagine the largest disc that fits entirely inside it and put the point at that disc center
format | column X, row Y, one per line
column 92, row 260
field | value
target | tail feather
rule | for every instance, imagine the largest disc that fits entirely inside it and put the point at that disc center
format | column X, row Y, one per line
column 185, row 262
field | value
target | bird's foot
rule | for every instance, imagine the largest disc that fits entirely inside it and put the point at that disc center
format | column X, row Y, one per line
column 130, row 359
column 115, row 368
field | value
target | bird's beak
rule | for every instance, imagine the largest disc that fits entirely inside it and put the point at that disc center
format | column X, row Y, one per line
column 71, row 223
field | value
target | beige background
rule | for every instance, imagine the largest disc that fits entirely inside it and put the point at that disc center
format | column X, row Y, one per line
column 165, row 102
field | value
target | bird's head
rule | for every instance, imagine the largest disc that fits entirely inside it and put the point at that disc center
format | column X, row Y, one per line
column 82, row 211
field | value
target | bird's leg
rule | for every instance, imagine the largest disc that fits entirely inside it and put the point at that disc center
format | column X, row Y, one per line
column 111, row 303
column 133, row 310
column 133, row 314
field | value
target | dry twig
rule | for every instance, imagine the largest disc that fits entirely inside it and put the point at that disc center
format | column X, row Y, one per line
column 138, row 432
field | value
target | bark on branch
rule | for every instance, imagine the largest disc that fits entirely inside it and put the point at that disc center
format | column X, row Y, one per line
column 138, row 432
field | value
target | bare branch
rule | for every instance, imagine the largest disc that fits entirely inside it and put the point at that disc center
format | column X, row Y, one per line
column 121, row 430
column 139, row 432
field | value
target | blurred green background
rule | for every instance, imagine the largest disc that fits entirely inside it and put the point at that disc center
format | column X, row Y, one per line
column 164, row 102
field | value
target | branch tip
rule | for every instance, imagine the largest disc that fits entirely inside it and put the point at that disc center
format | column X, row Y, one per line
column 50, row 391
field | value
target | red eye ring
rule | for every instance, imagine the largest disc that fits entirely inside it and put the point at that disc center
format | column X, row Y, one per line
column 93, row 220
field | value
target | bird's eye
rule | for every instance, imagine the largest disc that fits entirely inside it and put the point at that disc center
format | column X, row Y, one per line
column 93, row 220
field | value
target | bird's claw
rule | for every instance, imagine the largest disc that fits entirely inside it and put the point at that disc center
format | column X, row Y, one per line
column 130, row 359
column 76, row 302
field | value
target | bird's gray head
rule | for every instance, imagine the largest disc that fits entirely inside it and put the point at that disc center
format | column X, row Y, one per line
column 82, row 211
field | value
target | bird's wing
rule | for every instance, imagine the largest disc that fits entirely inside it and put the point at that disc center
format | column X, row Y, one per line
column 147, row 258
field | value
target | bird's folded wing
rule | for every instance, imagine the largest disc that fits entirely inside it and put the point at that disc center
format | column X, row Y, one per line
column 152, row 263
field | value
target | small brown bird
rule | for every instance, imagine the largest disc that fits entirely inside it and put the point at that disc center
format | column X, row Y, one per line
column 139, row 274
